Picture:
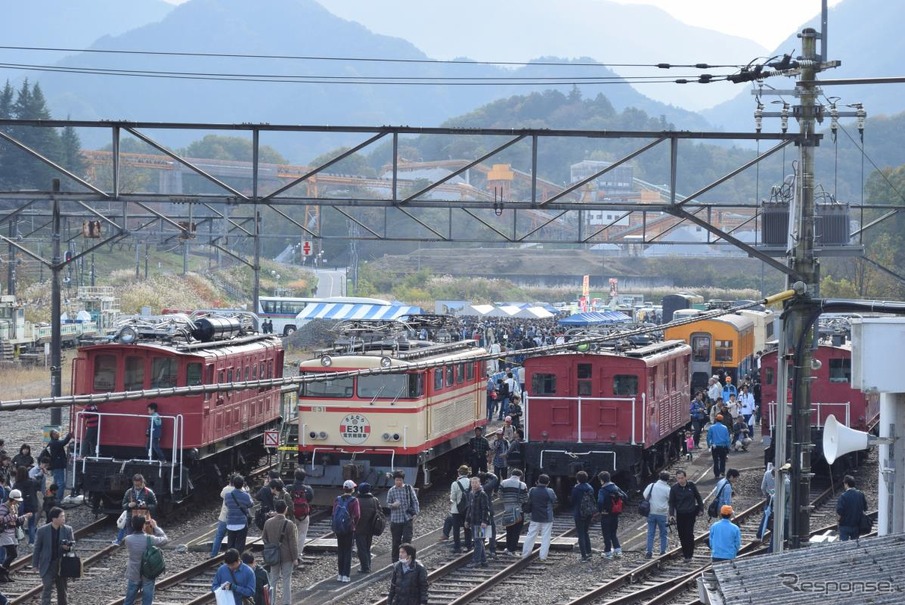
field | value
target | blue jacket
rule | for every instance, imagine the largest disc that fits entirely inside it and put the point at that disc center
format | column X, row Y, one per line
column 234, row 514
column 718, row 434
column 578, row 492
column 723, row 492
column 725, row 539
column 850, row 506
column 244, row 585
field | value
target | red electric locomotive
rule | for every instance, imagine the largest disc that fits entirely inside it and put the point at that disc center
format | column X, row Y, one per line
column 203, row 436
column 615, row 409
column 831, row 392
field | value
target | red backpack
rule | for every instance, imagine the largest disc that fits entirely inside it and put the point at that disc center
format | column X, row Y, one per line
column 300, row 506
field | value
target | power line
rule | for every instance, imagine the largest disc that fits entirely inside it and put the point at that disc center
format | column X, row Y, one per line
column 366, row 59
column 367, row 80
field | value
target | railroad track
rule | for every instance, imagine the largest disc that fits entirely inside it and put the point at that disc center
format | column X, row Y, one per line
column 456, row 584
column 27, row 583
column 192, row 586
column 668, row 577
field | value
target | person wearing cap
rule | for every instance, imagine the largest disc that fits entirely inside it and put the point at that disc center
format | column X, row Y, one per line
column 725, row 537
column 364, row 532
column 458, row 491
column 404, row 507
column 508, row 429
column 10, row 519
column 515, row 410
column 344, row 542
column 718, row 441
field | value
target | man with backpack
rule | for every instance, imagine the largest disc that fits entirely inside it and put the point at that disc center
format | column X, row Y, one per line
column 404, row 506
column 458, row 498
column 145, row 533
column 302, row 495
column 584, row 507
column 346, row 513
column 367, row 527
column 610, row 500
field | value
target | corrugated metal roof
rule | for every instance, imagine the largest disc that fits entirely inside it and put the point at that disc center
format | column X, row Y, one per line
column 866, row 571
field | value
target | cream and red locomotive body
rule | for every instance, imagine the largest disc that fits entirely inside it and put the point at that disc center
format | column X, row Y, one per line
column 607, row 410
column 204, row 436
column 421, row 404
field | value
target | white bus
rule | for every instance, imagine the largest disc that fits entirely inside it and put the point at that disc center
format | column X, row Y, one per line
column 282, row 310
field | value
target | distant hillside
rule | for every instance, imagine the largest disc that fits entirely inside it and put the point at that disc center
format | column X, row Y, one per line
column 298, row 28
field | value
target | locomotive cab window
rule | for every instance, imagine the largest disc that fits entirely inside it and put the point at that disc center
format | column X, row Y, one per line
column 390, row 386
column 193, row 374
column 450, row 375
column 700, row 347
column 625, row 385
column 334, row 387
column 469, row 372
column 163, row 372
column 134, row 379
column 104, row 373
column 543, row 384
column 840, row 370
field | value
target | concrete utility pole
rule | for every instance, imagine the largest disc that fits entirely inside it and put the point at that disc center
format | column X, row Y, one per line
column 56, row 310
column 797, row 327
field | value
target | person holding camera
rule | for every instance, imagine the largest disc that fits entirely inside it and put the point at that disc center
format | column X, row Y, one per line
column 143, row 529
column 51, row 542
column 403, row 505
column 137, row 500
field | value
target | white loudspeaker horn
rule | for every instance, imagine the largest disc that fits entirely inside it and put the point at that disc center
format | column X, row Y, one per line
column 839, row 440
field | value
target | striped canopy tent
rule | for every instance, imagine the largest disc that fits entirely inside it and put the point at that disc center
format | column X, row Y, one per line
column 594, row 318
column 356, row 311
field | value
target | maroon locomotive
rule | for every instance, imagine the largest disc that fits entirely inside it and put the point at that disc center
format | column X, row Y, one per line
column 831, row 392
column 618, row 409
column 203, row 436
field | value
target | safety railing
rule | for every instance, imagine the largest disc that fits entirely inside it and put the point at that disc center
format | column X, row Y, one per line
column 176, row 453
column 819, row 413
column 632, row 401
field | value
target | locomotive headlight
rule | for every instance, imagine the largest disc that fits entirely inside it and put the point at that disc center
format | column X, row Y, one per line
column 322, row 435
column 326, row 361
column 127, row 335
column 312, row 435
column 385, row 362
column 395, row 436
column 386, row 436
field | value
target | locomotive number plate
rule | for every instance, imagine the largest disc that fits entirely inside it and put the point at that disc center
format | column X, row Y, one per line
column 355, row 429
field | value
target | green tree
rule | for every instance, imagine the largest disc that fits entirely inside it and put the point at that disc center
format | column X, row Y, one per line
column 21, row 169
column 217, row 147
column 71, row 148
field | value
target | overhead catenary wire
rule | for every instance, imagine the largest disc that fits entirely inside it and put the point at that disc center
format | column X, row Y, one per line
column 360, row 80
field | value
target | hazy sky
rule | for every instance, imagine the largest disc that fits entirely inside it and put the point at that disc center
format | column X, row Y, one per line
column 767, row 22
